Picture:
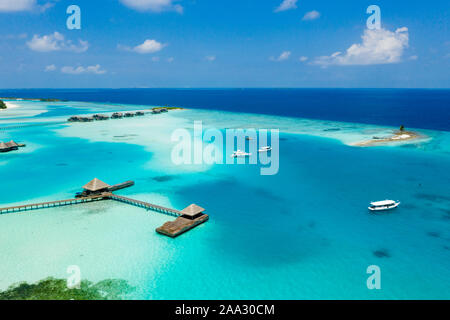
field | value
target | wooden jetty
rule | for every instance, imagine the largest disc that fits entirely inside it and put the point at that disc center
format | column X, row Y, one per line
column 97, row 190
column 122, row 185
column 52, row 204
column 145, row 205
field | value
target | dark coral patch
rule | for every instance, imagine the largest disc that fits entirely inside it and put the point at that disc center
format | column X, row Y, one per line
column 163, row 178
column 434, row 234
column 381, row 253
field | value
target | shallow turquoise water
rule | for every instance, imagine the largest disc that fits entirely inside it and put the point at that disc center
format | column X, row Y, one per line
column 304, row 233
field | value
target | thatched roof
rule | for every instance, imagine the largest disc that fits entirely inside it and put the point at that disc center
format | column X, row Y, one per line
column 192, row 210
column 3, row 145
column 96, row 185
column 12, row 144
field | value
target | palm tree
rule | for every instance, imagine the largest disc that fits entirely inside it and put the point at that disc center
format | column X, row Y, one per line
column 402, row 128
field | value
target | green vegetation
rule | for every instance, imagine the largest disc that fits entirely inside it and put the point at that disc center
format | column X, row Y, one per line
column 2, row 105
column 56, row 289
column 34, row 99
column 402, row 128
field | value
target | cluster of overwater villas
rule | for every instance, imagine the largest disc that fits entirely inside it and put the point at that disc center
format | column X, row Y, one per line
column 115, row 115
column 10, row 146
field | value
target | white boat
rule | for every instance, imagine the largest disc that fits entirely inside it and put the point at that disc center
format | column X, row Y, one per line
column 265, row 149
column 240, row 153
column 383, row 205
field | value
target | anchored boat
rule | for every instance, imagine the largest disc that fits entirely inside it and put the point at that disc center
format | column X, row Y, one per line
column 383, row 205
column 240, row 153
column 265, row 149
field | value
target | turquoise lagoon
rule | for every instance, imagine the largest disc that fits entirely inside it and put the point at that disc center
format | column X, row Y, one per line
column 304, row 233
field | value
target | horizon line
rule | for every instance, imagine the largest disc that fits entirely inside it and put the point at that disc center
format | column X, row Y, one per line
column 230, row 88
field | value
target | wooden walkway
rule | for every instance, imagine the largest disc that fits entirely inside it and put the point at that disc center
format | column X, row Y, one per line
column 52, row 204
column 171, row 228
column 145, row 205
column 103, row 196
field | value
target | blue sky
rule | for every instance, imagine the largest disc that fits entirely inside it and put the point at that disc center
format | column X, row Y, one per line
column 223, row 43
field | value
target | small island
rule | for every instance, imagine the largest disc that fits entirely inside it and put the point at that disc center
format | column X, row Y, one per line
column 164, row 109
column 400, row 135
column 3, row 105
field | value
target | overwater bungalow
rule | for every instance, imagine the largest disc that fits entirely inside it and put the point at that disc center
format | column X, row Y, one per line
column 190, row 217
column 129, row 114
column 164, row 110
column 156, row 111
column 192, row 212
column 140, row 113
column 74, row 119
column 100, row 117
column 4, row 147
column 94, row 186
column 117, row 115
column 9, row 146
column 86, row 119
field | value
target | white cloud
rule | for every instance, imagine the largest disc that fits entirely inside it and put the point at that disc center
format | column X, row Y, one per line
column 23, row 5
column 303, row 58
column 283, row 56
column 311, row 15
column 56, row 42
column 46, row 6
column 210, row 58
column 287, row 5
column 413, row 57
column 153, row 5
column 83, row 70
column 149, row 46
column 16, row 5
column 50, row 68
column 379, row 46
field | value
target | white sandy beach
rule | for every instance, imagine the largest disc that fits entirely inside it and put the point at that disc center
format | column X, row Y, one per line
column 10, row 105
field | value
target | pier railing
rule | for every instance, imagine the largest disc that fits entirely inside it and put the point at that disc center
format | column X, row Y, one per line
column 52, row 204
column 145, row 205
column 102, row 196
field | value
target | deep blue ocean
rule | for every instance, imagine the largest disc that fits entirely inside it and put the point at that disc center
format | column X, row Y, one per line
column 416, row 108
